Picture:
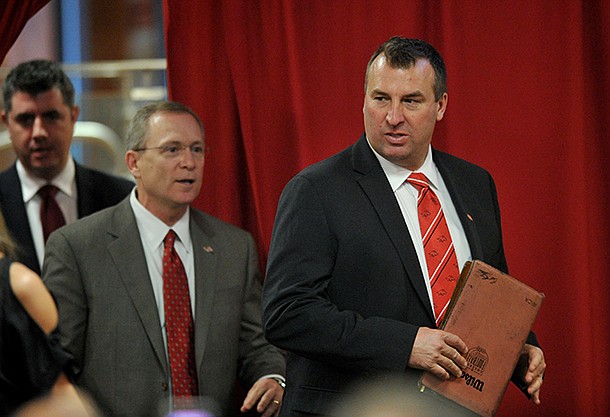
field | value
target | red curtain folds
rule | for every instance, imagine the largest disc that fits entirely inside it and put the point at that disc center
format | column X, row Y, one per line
column 279, row 85
column 14, row 14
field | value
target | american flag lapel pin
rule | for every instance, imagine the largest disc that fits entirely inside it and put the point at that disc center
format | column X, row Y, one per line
column 208, row 248
column 469, row 217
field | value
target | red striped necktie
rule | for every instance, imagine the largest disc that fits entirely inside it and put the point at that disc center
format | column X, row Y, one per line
column 442, row 263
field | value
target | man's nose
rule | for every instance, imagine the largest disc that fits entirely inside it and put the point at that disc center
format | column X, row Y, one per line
column 187, row 157
column 395, row 115
column 38, row 128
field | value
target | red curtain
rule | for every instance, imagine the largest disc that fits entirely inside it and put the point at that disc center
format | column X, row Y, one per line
column 14, row 14
column 279, row 85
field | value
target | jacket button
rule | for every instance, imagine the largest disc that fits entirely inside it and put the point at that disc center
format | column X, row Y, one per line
column 164, row 386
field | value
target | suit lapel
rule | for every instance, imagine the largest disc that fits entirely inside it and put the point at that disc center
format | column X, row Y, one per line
column 206, row 251
column 457, row 185
column 128, row 255
column 375, row 185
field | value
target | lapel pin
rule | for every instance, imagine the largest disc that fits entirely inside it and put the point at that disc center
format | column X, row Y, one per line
column 469, row 217
column 208, row 249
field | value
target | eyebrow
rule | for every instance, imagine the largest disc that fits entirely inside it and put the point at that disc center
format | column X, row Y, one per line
column 31, row 113
column 416, row 93
column 178, row 142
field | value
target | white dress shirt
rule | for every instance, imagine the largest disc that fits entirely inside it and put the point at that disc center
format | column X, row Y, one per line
column 152, row 232
column 406, row 195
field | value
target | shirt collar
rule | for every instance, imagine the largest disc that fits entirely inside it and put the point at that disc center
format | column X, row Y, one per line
column 31, row 184
column 153, row 230
column 397, row 175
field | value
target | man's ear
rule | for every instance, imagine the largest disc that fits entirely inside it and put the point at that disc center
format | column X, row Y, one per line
column 132, row 159
column 75, row 113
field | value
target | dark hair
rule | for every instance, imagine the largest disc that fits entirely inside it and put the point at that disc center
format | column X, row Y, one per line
column 138, row 127
column 404, row 52
column 35, row 77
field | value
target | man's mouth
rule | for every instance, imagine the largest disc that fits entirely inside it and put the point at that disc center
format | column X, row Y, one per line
column 39, row 151
column 396, row 136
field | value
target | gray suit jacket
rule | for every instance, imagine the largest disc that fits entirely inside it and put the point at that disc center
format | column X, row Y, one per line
column 96, row 270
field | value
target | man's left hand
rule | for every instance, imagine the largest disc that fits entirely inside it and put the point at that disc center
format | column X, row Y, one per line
column 535, row 371
column 268, row 394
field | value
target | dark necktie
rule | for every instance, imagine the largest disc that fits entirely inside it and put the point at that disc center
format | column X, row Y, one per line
column 442, row 263
column 51, row 216
column 179, row 322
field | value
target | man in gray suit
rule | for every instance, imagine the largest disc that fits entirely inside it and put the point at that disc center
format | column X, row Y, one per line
column 107, row 276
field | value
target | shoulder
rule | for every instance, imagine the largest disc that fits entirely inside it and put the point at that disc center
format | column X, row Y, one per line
column 217, row 232
column 7, row 179
column 331, row 166
column 9, row 172
column 91, row 229
column 457, row 165
column 212, row 225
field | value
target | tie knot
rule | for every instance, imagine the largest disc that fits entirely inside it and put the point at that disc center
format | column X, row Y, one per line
column 48, row 191
column 170, row 238
column 418, row 180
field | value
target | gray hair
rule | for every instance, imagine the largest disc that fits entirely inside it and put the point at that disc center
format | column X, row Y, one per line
column 138, row 127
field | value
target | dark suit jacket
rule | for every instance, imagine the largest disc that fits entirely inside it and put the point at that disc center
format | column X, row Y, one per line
column 96, row 191
column 344, row 292
column 96, row 270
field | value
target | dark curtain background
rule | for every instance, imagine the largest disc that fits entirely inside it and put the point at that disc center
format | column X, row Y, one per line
column 279, row 85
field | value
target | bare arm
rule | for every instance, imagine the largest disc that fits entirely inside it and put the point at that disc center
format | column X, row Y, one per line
column 34, row 296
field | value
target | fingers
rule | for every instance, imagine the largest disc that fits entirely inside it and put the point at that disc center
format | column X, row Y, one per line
column 438, row 352
column 534, row 390
column 272, row 409
column 267, row 394
column 535, row 371
column 268, row 405
column 455, row 362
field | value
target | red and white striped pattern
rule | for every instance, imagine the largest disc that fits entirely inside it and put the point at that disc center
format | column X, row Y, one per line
column 442, row 263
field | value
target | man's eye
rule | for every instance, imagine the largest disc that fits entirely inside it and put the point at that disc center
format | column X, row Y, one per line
column 197, row 149
column 51, row 116
column 25, row 119
column 170, row 149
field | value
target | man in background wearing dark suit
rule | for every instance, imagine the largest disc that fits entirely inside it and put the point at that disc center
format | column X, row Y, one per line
column 348, row 291
column 39, row 114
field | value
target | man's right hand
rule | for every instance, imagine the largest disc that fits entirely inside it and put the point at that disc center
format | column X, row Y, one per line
column 439, row 352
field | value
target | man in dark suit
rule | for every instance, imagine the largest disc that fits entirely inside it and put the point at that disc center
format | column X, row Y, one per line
column 347, row 291
column 39, row 114
column 108, row 274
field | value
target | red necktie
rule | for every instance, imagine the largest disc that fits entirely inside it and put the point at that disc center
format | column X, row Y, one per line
column 442, row 263
column 51, row 216
column 179, row 322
